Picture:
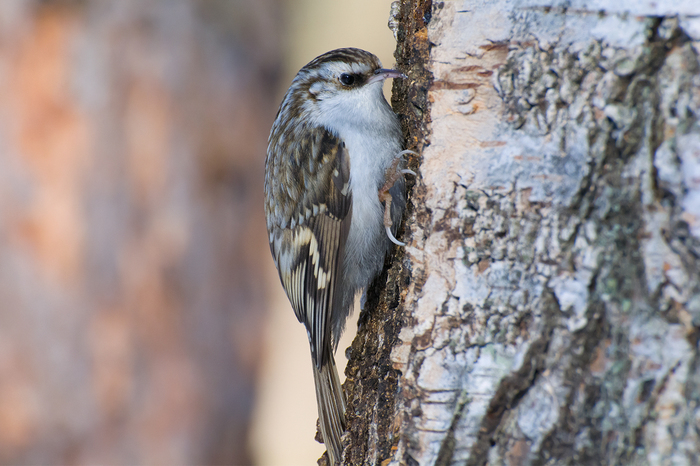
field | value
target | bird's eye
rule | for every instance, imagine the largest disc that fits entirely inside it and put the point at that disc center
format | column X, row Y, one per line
column 347, row 79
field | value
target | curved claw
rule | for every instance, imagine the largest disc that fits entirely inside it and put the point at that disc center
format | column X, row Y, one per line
column 404, row 152
column 391, row 237
column 406, row 171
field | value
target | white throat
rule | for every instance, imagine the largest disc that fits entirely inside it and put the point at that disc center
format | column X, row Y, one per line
column 367, row 125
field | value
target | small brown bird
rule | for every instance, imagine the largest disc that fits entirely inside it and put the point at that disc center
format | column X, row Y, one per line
column 334, row 191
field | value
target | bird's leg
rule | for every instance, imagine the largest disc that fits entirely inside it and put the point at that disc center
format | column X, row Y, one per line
column 392, row 175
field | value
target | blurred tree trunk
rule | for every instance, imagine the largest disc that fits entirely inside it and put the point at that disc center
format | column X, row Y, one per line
column 131, row 228
column 547, row 307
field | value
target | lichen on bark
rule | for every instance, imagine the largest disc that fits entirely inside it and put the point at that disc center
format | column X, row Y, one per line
column 548, row 303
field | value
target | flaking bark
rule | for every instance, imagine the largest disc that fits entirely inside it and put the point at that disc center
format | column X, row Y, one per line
column 547, row 306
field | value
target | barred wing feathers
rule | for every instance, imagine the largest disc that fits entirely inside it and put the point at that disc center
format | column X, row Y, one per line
column 309, row 246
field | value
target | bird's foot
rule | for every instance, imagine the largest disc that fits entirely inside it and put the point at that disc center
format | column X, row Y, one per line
column 392, row 175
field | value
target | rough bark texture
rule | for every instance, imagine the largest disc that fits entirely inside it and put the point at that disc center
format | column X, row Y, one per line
column 372, row 380
column 547, row 307
column 131, row 228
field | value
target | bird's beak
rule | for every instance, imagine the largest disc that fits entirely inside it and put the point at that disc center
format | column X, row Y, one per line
column 382, row 74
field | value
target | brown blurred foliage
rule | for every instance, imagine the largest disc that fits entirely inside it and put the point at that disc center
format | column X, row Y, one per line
column 132, row 140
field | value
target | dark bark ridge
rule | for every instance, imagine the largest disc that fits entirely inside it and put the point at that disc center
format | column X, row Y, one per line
column 628, row 109
column 590, row 336
column 372, row 381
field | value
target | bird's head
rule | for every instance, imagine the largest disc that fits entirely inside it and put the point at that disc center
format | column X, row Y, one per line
column 340, row 84
column 344, row 72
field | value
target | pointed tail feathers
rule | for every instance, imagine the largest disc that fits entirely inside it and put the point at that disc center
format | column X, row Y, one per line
column 331, row 408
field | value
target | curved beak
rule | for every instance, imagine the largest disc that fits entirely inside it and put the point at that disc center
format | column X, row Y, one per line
column 382, row 74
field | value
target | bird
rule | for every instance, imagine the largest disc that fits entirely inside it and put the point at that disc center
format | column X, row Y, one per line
column 334, row 196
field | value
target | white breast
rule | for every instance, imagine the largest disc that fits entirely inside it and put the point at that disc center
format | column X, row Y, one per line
column 372, row 135
column 370, row 156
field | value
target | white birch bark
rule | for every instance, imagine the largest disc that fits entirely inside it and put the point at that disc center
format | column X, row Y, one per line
column 552, row 310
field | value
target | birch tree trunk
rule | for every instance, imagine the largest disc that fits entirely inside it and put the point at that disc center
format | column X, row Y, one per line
column 547, row 307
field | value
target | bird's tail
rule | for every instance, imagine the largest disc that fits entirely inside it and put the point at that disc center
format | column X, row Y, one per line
column 331, row 407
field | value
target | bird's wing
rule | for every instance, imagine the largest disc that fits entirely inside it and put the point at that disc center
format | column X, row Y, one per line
column 310, row 243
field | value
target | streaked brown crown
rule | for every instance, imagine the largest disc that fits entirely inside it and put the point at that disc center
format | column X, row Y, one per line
column 348, row 55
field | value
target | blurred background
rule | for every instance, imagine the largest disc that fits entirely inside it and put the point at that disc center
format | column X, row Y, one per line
column 141, row 318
